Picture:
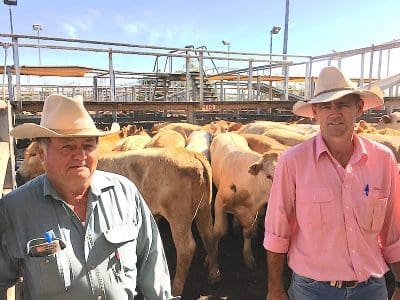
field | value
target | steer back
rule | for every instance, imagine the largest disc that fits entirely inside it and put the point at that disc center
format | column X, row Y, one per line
column 159, row 173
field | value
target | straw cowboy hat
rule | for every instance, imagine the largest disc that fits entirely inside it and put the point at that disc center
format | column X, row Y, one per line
column 61, row 117
column 332, row 85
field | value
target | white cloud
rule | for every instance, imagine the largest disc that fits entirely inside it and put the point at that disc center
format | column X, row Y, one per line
column 84, row 23
column 71, row 30
column 154, row 36
column 130, row 28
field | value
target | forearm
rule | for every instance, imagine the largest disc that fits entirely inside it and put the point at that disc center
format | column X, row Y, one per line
column 276, row 264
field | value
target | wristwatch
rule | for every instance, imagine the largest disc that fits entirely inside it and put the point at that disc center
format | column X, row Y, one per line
column 397, row 284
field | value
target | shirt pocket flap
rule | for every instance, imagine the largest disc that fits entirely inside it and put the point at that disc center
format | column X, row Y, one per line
column 121, row 234
column 314, row 195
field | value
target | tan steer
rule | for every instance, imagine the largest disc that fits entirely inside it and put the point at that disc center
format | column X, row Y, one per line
column 243, row 179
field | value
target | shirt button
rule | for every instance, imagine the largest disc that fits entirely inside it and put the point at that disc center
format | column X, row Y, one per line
column 353, row 251
column 47, row 261
column 92, row 267
column 351, row 229
column 99, row 297
column 347, row 207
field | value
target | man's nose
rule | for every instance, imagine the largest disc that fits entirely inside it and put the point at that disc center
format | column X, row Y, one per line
column 335, row 108
column 80, row 152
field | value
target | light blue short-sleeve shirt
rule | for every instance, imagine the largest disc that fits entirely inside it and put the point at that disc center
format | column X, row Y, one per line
column 117, row 250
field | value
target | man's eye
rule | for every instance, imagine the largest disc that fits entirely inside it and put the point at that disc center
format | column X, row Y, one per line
column 67, row 147
column 89, row 147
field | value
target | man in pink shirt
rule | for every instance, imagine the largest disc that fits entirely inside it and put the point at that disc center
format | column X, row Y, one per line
column 334, row 206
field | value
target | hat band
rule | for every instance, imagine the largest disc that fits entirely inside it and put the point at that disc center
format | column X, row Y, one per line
column 74, row 131
column 335, row 90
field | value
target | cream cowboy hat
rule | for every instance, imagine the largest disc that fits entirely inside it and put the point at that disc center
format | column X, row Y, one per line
column 332, row 85
column 61, row 117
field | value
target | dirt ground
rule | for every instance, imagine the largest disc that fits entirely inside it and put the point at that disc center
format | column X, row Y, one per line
column 237, row 282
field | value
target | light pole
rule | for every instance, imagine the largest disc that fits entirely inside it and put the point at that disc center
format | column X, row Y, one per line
column 38, row 28
column 285, row 43
column 9, row 3
column 274, row 30
column 227, row 43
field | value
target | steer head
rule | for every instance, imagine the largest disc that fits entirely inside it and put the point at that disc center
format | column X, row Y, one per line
column 266, row 164
column 385, row 119
column 32, row 165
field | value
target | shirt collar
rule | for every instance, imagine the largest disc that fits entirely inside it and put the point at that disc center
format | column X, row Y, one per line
column 360, row 151
column 49, row 190
column 99, row 183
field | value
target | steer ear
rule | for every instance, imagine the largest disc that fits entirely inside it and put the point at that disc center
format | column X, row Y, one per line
column 255, row 168
column 234, row 126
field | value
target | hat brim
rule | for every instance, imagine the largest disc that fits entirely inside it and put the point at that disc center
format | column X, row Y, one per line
column 371, row 99
column 32, row 130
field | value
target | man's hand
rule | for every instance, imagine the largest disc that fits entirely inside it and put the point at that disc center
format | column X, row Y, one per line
column 279, row 296
column 276, row 263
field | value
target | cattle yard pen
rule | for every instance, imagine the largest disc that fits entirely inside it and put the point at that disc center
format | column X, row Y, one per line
column 138, row 83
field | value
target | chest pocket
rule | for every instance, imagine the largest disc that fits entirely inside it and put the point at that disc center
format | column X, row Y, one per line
column 124, row 242
column 371, row 211
column 54, row 271
column 315, row 207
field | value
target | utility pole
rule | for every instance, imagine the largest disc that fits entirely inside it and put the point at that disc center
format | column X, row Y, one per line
column 10, row 3
column 285, row 42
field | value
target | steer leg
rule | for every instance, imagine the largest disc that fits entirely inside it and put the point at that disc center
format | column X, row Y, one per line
column 248, row 256
column 185, row 247
column 220, row 224
column 206, row 231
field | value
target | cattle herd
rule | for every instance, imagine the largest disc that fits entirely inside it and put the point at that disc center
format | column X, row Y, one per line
column 178, row 167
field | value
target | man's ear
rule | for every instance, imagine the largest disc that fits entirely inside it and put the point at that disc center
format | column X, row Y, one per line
column 314, row 111
column 41, row 153
column 360, row 108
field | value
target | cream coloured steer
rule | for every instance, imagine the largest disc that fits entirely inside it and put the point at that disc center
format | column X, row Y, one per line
column 243, row 179
column 199, row 141
column 176, row 184
column 179, row 127
column 263, row 143
column 166, row 138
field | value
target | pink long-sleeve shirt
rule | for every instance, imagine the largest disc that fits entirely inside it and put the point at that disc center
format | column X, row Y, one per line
column 335, row 223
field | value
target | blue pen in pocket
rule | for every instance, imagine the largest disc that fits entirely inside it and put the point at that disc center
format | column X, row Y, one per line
column 49, row 236
column 366, row 190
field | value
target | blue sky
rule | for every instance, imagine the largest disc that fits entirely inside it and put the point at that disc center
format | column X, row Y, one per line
column 315, row 27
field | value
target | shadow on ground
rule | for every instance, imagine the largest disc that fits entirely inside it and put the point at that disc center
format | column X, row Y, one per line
column 237, row 282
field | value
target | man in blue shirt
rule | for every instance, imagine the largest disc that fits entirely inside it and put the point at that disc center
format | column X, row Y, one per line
column 74, row 232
